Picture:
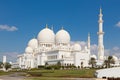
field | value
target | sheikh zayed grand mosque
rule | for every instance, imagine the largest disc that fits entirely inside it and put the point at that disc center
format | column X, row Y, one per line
column 52, row 48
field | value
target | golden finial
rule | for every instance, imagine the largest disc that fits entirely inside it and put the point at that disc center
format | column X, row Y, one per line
column 46, row 26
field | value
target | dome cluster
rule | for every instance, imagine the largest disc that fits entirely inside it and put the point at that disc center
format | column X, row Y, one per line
column 28, row 50
column 77, row 47
column 62, row 36
column 33, row 43
column 115, row 58
column 47, row 36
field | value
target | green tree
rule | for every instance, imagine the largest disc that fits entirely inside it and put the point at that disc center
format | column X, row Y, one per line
column 106, row 63
column 109, row 61
column 92, row 62
column 7, row 65
column 81, row 64
column 46, row 64
column 1, row 64
column 58, row 63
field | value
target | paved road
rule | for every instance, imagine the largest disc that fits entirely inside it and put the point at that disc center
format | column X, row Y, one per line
column 15, row 76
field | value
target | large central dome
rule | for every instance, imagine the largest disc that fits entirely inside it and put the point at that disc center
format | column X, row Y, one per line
column 62, row 36
column 46, row 36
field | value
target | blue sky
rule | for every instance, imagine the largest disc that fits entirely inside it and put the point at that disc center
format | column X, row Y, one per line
column 21, row 20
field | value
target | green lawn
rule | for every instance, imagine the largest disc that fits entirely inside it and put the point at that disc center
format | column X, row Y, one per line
column 53, row 74
column 4, row 73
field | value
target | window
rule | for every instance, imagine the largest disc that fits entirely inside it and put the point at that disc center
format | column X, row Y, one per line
column 52, row 57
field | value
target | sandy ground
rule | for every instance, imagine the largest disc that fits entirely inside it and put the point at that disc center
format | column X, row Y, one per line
column 15, row 76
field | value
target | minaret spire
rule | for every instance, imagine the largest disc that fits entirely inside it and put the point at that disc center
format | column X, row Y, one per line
column 88, row 41
column 52, row 28
column 100, row 37
column 46, row 26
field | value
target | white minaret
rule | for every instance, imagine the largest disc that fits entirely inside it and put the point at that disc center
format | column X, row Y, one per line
column 4, row 59
column 88, row 43
column 100, row 38
column 4, row 63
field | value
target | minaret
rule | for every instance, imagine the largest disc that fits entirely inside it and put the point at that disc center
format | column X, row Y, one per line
column 100, row 37
column 88, row 43
column 4, row 59
column 4, row 63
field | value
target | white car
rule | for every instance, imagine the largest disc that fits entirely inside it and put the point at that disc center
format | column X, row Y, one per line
column 108, row 72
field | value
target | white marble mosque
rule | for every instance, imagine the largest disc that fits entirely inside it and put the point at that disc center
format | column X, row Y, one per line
column 52, row 48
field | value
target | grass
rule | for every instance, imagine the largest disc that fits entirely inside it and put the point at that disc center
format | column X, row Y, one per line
column 4, row 73
column 61, row 74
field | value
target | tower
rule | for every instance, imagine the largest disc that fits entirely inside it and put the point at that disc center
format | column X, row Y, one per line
column 4, row 63
column 4, row 59
column 100, row 37
column 88, row 43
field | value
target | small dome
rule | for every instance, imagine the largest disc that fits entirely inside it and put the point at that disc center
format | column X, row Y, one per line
column 77, row 47
column 86, row 48
column 62, row 36
column 115, row 58
column 28, row 50
column 94, row 56
column 46, row 36
column 33, row 43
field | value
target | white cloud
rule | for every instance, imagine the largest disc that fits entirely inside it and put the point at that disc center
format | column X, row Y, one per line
column 107, row 52
column 118, row 24
column 94, row 49
column 8, row 28
column 11, row 56
column 116, row 51
column 82, row 43
column 115, row 48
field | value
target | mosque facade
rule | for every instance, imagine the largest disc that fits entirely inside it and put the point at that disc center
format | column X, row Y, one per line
column 52, row 48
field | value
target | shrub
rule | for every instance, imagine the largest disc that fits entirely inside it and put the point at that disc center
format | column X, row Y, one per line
column 36, row 74
column 41, row 67
column 48, row 67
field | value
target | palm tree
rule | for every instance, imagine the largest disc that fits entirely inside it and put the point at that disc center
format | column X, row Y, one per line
column 59, row 63
column 81, row 64
column 46, row 63
column 109, row 61
column 92, row 62
column 106, row 63
column 1, row 64
column 7, row 65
